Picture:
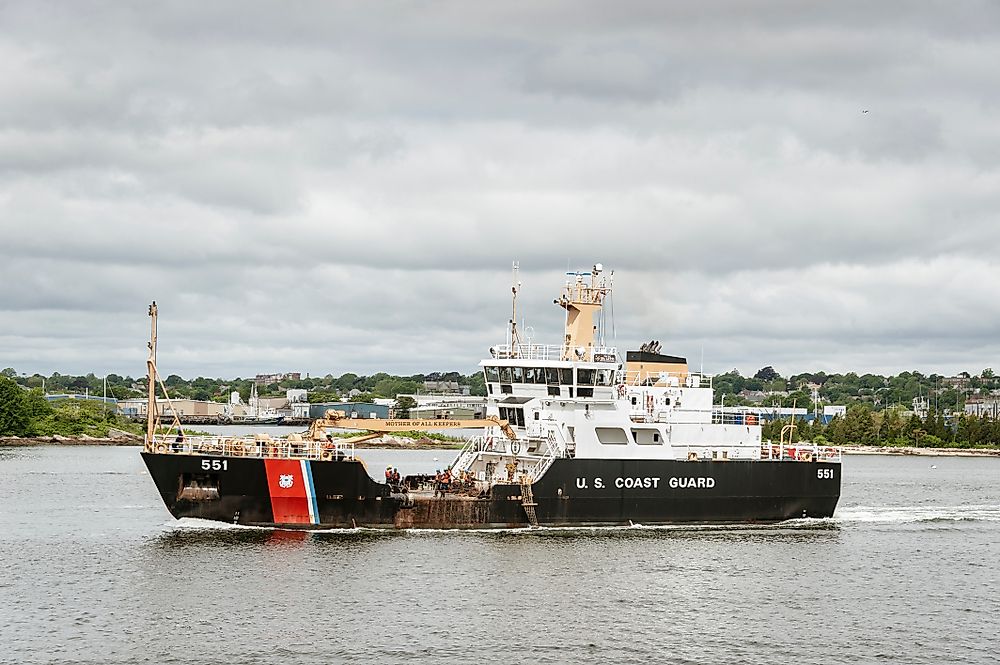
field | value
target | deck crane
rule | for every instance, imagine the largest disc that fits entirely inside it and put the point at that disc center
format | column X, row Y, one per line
column 377, row 427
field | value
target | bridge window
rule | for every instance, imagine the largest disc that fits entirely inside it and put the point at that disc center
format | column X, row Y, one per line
column 513, row 416
column 552, row 376
column 611, row 436
column 517, row 374
column 605, row 377
column 492, row 375
column 505, row 375
column 566, row 376
column 585, row 376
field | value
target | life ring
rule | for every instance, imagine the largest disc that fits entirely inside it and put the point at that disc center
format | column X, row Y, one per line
column 805, row 456
column 161, row 448
column 751, row 419
column 515, row 447
column 326, row 455
column 692, row 456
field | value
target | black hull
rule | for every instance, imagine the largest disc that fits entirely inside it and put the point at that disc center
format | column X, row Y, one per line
column 573, row 492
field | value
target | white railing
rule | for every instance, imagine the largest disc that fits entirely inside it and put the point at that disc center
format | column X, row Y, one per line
column 802, row 452
column 468, row 454
column 720, row 417
column 553, row 451
column 765, row 451
column 260, row 446
column 660, row 379
column 607, row 354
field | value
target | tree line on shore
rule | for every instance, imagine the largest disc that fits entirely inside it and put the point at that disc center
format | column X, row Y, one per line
column 26, row 413
column 880, row 392
column 861, row 426
column 321, row 389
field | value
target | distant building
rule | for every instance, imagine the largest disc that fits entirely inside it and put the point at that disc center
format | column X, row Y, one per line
column 446, row 388
column 352, row 409
column 430, row 407
column 753, row 396
column 182, row 407
column 265, row 379
column 959, row 382
column 57, row 397
column 980, row 406
column 294, row 395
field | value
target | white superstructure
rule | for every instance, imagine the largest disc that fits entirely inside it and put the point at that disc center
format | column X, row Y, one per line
column 581, row 399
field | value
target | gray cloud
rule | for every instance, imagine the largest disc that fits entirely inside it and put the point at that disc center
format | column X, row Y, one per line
column 332, row 188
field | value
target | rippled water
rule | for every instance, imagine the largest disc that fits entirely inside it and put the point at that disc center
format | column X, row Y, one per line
column 97, row 572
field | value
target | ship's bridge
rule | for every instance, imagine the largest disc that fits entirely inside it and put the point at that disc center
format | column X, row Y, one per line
column 597, row 354
column 537, row 370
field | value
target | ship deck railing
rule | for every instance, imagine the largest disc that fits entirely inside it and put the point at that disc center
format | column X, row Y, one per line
column 748, row 417
column 608, row 354
column 255, row 446
column 668, row 379
column 765, row 451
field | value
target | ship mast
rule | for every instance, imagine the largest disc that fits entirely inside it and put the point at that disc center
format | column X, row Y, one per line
column 581, row 300
column 515, row 336
column 151, row 416
column 153, row 377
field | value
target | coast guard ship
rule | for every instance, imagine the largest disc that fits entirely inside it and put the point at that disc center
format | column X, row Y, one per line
column 574, row 435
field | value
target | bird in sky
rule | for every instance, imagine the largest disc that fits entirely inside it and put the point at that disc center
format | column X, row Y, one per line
column 865, row 111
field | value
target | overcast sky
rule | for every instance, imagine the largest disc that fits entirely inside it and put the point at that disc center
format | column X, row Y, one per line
column 331, row 187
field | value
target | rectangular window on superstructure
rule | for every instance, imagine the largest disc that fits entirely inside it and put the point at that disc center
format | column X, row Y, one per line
column 646, row 436
column 566, row 376
column 531, row 374
column 517, row 373
column 611, row 436
column 540, row 375
column 505, row 375
column 552, row 376
column 605, row 377
column 492, row 374
column 585, row 376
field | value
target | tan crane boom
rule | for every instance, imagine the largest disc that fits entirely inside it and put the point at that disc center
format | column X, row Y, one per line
column 378, row 426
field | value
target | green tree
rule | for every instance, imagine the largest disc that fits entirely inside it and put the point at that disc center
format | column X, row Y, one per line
column 767, row 374
column 36, row 409
column 403, row 406
column 13, row 417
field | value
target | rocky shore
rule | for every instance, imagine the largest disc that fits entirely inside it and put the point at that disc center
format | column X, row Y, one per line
column 113, row 439
column 925, row 452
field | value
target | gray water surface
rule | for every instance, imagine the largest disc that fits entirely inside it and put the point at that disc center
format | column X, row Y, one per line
column 98, row 572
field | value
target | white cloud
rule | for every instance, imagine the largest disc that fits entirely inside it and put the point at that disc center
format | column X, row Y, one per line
column 343, row 188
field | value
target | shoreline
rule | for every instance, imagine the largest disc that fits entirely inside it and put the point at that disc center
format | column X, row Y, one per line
column 921, row 452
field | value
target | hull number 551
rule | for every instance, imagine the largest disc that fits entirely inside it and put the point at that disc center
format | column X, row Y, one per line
column 820, row 473
column 214, row 464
